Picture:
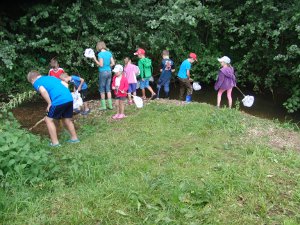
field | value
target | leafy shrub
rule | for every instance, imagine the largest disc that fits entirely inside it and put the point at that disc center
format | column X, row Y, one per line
column 22, row 154
column 16, row 100
column 265, row 53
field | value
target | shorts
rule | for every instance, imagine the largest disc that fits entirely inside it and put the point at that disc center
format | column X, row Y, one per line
column 83, row 94
column 61, row 111
column 104, row 81
column 121, row 98
column 132, row 87
column 144, row 83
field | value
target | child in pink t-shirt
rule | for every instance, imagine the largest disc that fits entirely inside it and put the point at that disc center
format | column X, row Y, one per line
column 131, row 71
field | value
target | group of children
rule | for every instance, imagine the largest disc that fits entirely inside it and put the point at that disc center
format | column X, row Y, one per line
column 54, row 88
column 127, row 77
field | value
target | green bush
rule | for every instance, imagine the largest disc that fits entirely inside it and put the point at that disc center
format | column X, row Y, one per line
column 265, row 50
column 23, row 155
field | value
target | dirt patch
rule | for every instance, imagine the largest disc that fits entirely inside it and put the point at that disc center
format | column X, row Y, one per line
column 30, row 113
column 278, row 138
column 170, row 101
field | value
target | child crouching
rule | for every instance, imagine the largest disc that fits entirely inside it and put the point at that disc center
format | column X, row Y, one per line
column 80, row 86
column 120, row 87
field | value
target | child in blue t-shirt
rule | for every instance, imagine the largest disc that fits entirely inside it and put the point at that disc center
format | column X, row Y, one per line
column 167, row 68
column 60, row 104
column 184, row 78
column 80, row 86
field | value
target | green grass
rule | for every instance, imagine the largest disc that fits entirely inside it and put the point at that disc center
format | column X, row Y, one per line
column 164, row 164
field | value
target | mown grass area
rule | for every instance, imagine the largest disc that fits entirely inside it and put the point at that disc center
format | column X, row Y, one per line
column 164, row 164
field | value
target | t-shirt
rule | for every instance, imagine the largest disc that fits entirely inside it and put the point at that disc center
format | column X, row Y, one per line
column 131, row 71
column 145, row 67
column 56, row 73
column 76, row 81
column 58, row 93
column 184, row 67
column 167, row 65
column 106, row 56
column 118, row 81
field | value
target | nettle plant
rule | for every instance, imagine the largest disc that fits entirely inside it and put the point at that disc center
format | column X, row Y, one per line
column 23, row 155
column 16, row 100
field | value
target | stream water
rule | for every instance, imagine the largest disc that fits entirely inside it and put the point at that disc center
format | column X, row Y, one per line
column 265, row 106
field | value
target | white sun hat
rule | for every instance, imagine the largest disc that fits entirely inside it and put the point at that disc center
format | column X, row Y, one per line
column 89, row 53
column 225, row 59
column 118, row 68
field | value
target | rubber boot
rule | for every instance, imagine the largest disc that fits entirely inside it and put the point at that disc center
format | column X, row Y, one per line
column 110, row 104
column 188, row 99
column 103, row 104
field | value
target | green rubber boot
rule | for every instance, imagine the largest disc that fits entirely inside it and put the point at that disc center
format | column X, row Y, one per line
column 103, row 104
column 110, row 104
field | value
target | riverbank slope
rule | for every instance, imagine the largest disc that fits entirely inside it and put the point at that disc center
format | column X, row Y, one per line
column 168, row 164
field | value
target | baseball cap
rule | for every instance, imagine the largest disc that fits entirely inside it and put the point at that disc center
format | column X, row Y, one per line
column 140, row 51
column 225, row 59
column 118, row 68
column 193, row 56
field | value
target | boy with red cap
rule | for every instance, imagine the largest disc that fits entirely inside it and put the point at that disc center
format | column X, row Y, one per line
column 184, row 77
column 145, row 66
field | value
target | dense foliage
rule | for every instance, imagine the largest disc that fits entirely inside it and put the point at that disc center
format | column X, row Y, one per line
column 23, row 156
column 261, row 37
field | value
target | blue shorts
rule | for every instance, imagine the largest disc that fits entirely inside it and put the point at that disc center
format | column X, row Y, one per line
column 144, row 83
column 104, row 81
column 61, row 111
column 132, row 88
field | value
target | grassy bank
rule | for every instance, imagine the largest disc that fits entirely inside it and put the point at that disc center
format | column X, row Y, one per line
column 168, row 164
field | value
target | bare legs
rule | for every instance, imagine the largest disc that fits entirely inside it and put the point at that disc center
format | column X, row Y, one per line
column 117, row 104
column 229, row 97
column 143, row 94
column 85, row 107
column 129, row 96
column 120, row 106
column 151, row 90
column 102, row 95
column 70, row 127
column 219, row 97
column 52, row 129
